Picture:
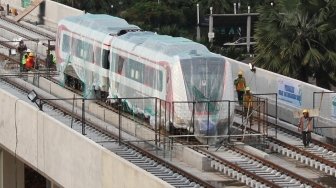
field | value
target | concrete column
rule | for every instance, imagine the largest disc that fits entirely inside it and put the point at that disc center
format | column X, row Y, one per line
column 12, row 171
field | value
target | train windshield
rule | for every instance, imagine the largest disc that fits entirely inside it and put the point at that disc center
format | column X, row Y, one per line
column 203, row 79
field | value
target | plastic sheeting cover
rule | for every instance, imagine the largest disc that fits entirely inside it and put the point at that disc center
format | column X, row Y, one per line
column 141, row 64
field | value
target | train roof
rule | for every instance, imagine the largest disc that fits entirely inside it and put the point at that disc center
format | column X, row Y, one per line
column 101, row 23
column 168, row 45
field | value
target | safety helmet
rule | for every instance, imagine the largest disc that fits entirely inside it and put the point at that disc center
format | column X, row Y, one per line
column 240, row 73
column 247, row 89
column 31, row 54
column 28, row 50
column 305, row 111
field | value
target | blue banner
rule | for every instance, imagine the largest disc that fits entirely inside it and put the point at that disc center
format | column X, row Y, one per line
column 290, row 92
column 333, row 106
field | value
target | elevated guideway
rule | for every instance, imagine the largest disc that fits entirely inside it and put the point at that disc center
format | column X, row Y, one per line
column 34, row 143
column 57, row 152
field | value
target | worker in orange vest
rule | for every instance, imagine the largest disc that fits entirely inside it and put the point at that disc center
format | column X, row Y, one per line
column 30, row 62
column 240, row 86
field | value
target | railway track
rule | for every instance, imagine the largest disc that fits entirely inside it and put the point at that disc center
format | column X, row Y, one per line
column 24, row 30
column 131, row 152
column 254, row 171
column 253, row 180
column 321, row 156
column 318, row 155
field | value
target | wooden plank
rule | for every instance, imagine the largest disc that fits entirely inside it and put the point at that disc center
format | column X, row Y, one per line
column 32, row 6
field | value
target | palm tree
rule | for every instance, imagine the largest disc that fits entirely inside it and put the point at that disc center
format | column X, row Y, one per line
column 299, row 41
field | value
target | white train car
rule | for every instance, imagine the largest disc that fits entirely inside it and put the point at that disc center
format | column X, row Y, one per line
column 108, row 55
column 83, row 50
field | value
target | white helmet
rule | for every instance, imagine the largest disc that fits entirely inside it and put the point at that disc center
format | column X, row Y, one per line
column 28, row 50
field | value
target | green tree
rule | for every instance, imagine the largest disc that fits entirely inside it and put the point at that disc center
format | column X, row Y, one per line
column 298, row 41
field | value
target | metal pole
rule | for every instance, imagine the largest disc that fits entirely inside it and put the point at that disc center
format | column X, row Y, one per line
column 314, row 108
column 198, row 15
column 83, row 116
column 73, row 108
column 119, row 112
column 229, row 120
column 155, row 121
column 160, row 125
column 198, row 30
column 259, row 108
column 165, row 118
column 193, row 117
column 276, row 115
column 172, row 111
column 211, row 33
column 208, row 122
column 248, row 34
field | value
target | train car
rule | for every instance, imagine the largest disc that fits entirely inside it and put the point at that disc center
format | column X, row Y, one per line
column 126, row 62
column 83, row 50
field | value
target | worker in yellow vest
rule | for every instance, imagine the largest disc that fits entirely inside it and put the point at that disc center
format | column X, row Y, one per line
column 24, row 60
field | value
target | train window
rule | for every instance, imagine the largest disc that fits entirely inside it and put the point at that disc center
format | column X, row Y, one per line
column 87, row 51
column 148, row 76
column 65, row 43
column 97, row 56
column 75, row 48
column 119, row 65
column 153, row 78
column 135, row 70
column 159, row 81
column 83, row 50
column 106, row 60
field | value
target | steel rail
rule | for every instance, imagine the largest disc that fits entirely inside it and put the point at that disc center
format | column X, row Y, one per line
column 303, row 152
column 237, row 168
column 273, row 165
column 28, row 28
column 19, row 33
column 298, row 135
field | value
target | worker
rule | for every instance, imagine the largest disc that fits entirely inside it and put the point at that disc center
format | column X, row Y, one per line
column 240, row 84
column 248, row 105
column 51, row 60
column 306, row 127
column 14, row 11
column 22, row 49
column 30, row 62
column 24, row 60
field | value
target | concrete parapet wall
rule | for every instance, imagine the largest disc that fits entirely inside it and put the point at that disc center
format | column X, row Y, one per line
column 62, row 154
